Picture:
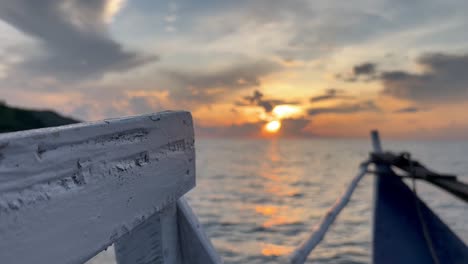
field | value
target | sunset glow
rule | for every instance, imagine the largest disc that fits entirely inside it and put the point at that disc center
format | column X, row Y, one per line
column 286, row 111
column 237, row 65
column 273, row 126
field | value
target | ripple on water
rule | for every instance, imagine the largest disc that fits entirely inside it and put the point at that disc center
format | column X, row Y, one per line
column 259, row 199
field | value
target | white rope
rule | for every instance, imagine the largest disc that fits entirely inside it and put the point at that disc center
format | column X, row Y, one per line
column 300, row 255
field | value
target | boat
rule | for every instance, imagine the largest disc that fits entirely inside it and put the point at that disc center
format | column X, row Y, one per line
column 405, row 229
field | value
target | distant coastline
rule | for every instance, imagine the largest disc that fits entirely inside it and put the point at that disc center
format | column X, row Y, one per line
column 16, row 119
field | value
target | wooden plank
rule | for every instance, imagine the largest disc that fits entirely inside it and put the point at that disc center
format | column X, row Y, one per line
column 154, row 241
column 67, row 193
column 196, row 247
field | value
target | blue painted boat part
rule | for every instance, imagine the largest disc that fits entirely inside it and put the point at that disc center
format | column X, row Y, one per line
column 406, row 230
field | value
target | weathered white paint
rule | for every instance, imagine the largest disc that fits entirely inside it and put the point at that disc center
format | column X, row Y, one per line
column 67, row 193
column 173, row 235
column 155, row 241
column 196, row 247
column 300, row 255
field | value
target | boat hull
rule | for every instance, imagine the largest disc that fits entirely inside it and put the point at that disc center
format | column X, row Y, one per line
column 405, row 228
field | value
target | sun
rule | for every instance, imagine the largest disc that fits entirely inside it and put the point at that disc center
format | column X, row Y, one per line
column 273, row 126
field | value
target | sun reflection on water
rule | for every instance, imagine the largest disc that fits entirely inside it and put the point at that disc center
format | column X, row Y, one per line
column 259, row 199
column 279, row 215
column 277, row 182
column 275, row 250
column 266, row 210
column 278, row 178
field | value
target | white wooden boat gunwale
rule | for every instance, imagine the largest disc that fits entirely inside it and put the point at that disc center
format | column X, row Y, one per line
column 67, row 193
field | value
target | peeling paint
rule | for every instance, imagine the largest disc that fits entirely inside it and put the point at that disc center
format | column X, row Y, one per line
column 90, row 182
column 120, row 138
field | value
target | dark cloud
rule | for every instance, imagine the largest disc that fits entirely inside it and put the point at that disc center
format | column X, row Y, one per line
column 73, row 36
column 445, row 79
column 345, row 108
column 257, row 99
column 294, row 127
column 207, row 87
column 366, row 71
column 410, row 109
column 330, row 94
column 367, row 68
column 235, row 77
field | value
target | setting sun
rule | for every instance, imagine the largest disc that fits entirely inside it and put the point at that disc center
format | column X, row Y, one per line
column 273, row 126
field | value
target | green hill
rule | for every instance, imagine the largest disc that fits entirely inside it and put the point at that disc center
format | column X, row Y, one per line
column 16, row 119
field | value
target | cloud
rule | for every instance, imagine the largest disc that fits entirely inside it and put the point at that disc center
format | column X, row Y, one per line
column 234, row 130
column 409, row 109
column 366, row 71
column 302, row 30
column 73, row 36
column 330, row 94
column 367, row 68
column 289, row 128
column 444, row 79
column 318, row 31
column 345, row 108
column 241, row 75
column 294, row 127
column 205, row 87
column 144, row 105
column 256, row 99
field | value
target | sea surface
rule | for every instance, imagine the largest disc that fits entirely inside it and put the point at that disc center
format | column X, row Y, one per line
column 259, row 199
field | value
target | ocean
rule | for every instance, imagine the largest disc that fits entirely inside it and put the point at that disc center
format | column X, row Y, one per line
column 259, row 199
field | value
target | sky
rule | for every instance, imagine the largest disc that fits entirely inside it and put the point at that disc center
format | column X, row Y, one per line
column 246, row 68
